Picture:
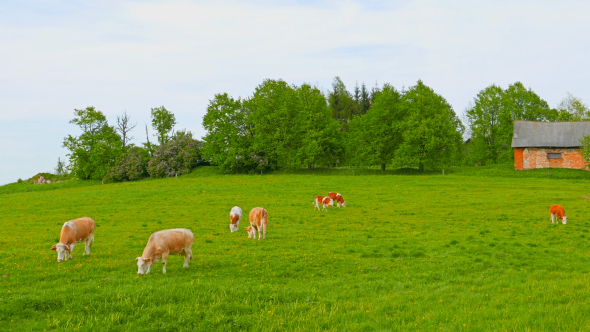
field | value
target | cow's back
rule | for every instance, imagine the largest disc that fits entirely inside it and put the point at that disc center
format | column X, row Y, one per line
column 77, row 230
column 557, row 210
column 173, row 240
column 258, row 216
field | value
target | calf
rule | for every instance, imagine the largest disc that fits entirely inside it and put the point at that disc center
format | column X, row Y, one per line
column 73, row 231
column 325, row 201
column 258, row 221
column 235, row 215
column 557, row 211
column 250, row 231
column 163, row 243
column 338, row 198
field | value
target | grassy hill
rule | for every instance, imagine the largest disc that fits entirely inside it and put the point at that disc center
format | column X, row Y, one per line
column 471, row 250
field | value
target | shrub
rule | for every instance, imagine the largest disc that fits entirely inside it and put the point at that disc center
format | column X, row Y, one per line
column 175, row 157
column 129, row 166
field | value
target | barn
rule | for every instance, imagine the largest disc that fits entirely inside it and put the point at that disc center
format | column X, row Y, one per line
column 549, row 144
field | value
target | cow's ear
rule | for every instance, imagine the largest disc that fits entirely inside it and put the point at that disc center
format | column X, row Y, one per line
column 137, row 258
column 67, row 247
column 148, row 260
column 54, row 248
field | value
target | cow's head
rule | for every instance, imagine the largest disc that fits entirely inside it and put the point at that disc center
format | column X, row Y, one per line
column 234, row 227
column 250, row 231
column 143, row 264
column 343, row 204
column 564, row 220
column 62, row 250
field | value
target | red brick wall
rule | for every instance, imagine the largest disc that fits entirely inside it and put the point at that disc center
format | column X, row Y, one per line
column 530, row 158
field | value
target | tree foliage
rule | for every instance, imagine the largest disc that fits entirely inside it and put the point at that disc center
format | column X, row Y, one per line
column 130, row 165
column 375, row 136
column 431, row 130
column 95, row 150
column 492, row 116
column 176, row 157
column 163, row 121
column 572, row 108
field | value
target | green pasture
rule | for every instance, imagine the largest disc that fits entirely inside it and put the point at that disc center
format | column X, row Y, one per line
column 467, row 251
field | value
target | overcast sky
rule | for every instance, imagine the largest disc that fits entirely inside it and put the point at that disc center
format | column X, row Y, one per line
column 123, row 56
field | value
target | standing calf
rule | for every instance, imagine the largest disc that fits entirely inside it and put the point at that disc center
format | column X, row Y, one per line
column 235, row 215
column 325, row 201
column 162, row 243
column 557, row 211
column 258, row 221
column 73, row 231
column 338, row 198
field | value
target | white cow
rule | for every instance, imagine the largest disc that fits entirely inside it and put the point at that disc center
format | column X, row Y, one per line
column 163, row 243
column 235, row 215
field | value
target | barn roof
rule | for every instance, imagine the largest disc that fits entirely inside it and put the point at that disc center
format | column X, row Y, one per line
column 530, row 134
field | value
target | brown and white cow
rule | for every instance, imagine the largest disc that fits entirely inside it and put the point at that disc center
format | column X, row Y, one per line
column 557, row 211
column 250, row 231
column 258, row 221
column 163, row 243
column 235, row 215
column 72, row 232
column 338, row 198
column 325, row 201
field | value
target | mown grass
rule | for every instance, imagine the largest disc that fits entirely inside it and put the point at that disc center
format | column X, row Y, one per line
column 417, row 253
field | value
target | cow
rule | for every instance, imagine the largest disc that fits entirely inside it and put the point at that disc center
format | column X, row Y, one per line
column 325, row 201
column 235, row 215
column 250, row 231
column 72, row 232
column 163, row 243
column 258, row 221
column 338, row 198
column 557, row 211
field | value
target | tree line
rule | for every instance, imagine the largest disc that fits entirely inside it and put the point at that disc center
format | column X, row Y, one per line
column 102, row 151
column 284, row 126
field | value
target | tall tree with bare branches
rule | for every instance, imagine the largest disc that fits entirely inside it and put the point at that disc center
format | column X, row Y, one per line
column 124, row 126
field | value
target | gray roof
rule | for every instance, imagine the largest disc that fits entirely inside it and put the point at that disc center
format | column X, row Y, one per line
column 530, row 134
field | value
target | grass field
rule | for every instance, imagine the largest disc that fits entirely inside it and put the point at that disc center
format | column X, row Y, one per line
column 461, row 252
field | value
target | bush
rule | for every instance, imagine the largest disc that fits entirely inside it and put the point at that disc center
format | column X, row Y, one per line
column 176, row 157
column 130, row 166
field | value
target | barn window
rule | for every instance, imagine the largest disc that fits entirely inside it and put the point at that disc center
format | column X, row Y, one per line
column 554, row 155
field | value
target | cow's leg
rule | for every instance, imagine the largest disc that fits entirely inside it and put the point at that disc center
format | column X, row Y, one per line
column 149, row 268
column 188, row 255
column 88, row 243
column 264, row 229
column 552, row 218
column 164, row 258
column 316, row 206
column 69, row 253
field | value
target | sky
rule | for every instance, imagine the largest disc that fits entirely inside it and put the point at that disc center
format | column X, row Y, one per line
column 131, row 56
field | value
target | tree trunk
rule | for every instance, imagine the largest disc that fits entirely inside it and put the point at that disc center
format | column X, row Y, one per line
column 382, row 167
column 421, row 167
column 309, row 167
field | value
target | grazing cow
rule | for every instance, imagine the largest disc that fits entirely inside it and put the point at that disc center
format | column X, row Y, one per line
column 557, row 211
column 235, row 215
column 250, row 231
column 258, row 221
column 338, row 198
column 325, row 201
column 163, row 243
column 73, row 231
